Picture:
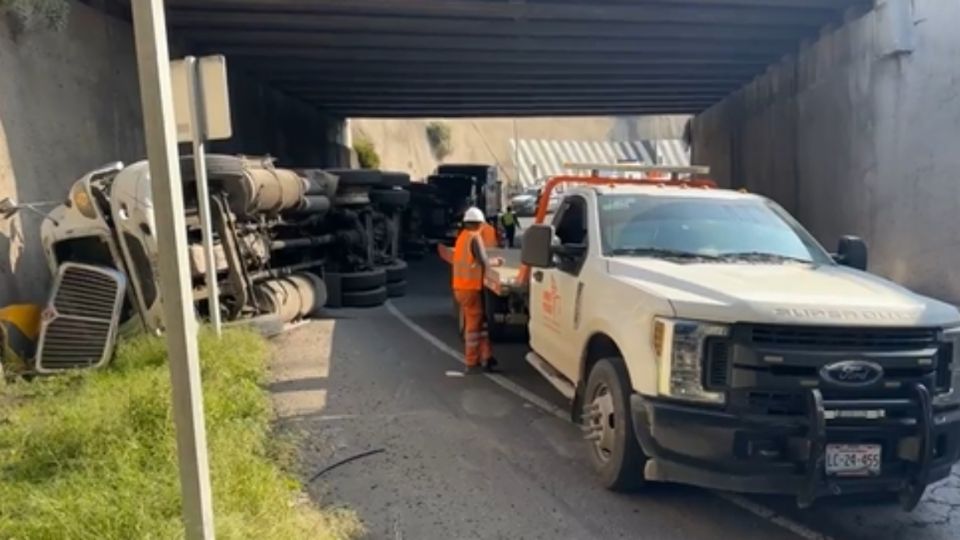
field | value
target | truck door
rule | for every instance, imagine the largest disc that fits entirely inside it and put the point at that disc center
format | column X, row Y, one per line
column 554, row 292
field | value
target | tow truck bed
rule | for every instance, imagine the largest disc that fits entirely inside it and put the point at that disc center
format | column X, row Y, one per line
column 502, row 280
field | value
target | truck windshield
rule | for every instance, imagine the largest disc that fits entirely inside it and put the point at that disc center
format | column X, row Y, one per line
column 704, row 229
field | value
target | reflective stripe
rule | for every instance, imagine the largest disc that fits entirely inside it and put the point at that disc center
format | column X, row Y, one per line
column 467, row 272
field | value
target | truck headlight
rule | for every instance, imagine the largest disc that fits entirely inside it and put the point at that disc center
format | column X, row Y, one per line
column 679, row 346
column 81, row 200
column 948, row 376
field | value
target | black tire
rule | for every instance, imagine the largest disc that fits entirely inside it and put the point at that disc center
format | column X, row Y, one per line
column 396, row 272
column 618, row 461
column 368, row 298
column 394, row 179
column 360, row 281
column 334, row 292
column 357, row 177
column 396, row 289
column 390, row 198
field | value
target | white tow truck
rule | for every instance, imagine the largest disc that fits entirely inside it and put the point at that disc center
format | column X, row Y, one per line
column 704, row 337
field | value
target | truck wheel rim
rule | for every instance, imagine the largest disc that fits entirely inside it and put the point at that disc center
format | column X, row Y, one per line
column 602, row 423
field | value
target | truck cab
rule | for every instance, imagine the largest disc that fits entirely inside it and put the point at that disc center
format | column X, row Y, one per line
column 704, row 337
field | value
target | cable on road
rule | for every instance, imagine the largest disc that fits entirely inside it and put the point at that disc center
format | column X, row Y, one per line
column 344, row 461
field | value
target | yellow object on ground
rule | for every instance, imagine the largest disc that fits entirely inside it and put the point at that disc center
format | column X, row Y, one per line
column 19, row 330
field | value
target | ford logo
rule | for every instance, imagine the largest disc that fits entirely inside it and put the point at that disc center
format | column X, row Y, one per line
column 852, row 373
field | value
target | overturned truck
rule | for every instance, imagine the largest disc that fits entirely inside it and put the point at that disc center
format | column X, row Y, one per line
column 286, row 243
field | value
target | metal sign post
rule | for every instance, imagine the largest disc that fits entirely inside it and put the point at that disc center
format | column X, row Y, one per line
column 198, row 134
column 201, row 102
column 178, row 315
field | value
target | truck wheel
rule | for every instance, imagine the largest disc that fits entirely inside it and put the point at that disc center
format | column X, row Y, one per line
column 334, row 294
column 613, row 448
column 390, row 198
column 361, row 281
column 396, row 272
column 369, row 298
column 394, row 179
column 396, row 289
column 357, row 177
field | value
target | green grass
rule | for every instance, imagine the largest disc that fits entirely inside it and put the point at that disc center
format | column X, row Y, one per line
column 92, row 455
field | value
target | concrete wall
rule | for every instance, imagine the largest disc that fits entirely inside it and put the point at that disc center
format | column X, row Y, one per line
column 854, row 137
column 403, row 144
column 69, row 102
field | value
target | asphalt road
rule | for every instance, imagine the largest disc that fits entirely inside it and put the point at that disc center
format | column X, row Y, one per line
column 467, row 458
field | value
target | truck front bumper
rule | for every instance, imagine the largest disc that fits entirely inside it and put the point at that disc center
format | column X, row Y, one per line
column 779, row 454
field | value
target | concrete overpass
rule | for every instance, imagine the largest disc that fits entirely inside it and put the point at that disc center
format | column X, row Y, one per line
column 416, row 58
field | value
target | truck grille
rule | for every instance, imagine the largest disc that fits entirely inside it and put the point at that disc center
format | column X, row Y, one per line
column 843, row 338
column 79, row 323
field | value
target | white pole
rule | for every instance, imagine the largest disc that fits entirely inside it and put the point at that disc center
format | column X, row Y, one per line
column 347, row 133
column 197, row 116
column 180, row 325
column 516, row 157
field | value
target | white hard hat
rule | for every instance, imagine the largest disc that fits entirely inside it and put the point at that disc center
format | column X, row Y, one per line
column 473, row 215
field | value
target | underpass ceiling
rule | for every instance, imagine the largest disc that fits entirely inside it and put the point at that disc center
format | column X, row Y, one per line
column 415, row 58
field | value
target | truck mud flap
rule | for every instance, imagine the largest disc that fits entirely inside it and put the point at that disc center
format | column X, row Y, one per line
column 918, row 477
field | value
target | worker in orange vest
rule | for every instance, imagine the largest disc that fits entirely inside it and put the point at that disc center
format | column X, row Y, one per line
column 488, row 233
column 470, row 261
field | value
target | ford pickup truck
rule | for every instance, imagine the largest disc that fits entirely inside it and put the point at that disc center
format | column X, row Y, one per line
column 703, row 337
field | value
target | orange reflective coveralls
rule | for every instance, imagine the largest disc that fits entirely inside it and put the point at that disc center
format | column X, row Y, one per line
column 489, row 235
column 468, row 290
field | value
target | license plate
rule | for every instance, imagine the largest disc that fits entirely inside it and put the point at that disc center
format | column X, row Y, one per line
column 853, row 459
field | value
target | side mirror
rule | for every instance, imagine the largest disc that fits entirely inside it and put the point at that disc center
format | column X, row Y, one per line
column 852, row 252
column 537, row 246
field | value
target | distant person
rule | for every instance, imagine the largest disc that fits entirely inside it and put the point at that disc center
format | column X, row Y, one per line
column 470, row 262
column 508, row 220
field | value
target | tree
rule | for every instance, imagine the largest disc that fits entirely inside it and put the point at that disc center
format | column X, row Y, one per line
column 366, row 154
column 439, row 137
